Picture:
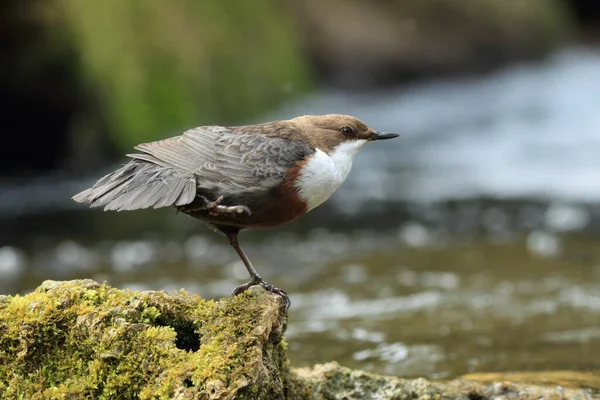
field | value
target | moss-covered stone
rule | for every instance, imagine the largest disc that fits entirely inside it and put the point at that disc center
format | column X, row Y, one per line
column 80, row 339
column 83, row 340
column 331, row 381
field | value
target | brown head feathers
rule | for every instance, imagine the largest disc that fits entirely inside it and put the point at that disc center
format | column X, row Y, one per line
column 318, row 131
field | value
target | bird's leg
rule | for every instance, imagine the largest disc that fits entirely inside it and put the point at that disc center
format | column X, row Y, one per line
column 215, row 208
column 256, row 279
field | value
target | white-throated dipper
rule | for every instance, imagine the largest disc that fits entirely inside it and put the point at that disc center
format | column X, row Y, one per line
column 262, row 175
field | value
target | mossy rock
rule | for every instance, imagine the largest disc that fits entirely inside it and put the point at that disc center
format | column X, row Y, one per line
column 332, row 381
column 80, row 339
column 83, row 340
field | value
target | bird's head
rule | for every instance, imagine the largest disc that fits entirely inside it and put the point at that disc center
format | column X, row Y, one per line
column 328, row 132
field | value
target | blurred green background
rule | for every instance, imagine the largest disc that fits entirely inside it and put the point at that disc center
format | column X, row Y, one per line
column 469, row 244
column 102, row 76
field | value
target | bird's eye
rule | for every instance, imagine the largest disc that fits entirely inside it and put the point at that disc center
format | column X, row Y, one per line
column 346, row 130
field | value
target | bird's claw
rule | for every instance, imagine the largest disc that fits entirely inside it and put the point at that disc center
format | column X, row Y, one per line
column 267, row 286
column 215, row 208
column 215, row 203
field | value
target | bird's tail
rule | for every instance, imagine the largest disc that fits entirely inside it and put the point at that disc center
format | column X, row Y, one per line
column 139, row 184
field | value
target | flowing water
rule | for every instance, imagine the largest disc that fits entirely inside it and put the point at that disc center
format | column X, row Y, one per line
column 470, row 244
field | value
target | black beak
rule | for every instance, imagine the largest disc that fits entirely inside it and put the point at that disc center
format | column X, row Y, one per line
column 383, row 136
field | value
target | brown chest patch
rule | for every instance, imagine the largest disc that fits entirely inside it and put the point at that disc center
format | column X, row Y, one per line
column 294, row 207
column 283, row 205
column 276, row 207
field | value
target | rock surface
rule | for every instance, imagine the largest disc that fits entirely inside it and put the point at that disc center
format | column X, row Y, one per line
column 80, row 339
column 331, row 381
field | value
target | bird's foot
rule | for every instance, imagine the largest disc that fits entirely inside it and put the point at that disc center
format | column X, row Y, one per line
column 215, row 208
column 267, row 286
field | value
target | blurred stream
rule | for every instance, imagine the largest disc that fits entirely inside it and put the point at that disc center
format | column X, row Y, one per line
column 471, row 244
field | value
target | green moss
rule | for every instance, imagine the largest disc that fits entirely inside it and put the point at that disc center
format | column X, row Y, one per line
column 87, row 340
column 161, row 68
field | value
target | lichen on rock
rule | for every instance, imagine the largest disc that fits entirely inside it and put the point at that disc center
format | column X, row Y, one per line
column 80, row 339
column 332, row 381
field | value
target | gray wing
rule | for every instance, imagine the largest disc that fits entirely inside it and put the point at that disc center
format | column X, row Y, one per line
column 169, row 172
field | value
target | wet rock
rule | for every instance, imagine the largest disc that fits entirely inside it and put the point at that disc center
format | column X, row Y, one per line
column 331, row 381
column 558, row 379
column 80, row 339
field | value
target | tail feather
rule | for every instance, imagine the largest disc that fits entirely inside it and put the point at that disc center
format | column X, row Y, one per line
column 105, row 185
column 177, row 186
column 188, row 193
column 140, row 184
column 124, row 200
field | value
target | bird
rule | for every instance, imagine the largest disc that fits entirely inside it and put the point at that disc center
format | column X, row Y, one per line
column 236, row 177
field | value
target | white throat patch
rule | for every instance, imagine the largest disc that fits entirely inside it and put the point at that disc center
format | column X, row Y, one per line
column 324, row 173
